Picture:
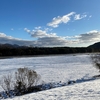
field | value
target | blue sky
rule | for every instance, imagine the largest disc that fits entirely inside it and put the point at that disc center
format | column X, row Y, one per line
column 50, row 22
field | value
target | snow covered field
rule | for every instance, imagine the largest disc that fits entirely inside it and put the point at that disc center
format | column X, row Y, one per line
column 55, row 69
column 82, row 91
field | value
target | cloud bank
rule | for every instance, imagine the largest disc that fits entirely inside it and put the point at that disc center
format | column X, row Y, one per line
column 92, row 36
column 11, row 40
column 45, row 39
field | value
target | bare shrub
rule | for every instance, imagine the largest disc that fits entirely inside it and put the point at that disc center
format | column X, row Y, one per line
column 20, row 79
column 6, row 82
column 25, row 78
column 96, row 60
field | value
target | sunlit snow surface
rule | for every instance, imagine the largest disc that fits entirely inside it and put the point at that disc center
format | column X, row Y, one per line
column 82, row 91
column 54, row 69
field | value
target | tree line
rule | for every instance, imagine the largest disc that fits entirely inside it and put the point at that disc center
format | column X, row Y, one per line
column 10, row 50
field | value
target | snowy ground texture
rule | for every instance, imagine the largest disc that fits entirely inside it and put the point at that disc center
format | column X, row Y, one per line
column 55, row 69
column 82, row 91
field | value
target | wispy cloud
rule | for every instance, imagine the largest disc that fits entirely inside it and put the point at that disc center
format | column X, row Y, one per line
column 25, row 29
column 89, row 17
column 65, row 19
column 78, row 16
column 58, row 20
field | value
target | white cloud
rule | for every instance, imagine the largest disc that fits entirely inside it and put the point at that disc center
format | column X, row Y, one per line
column 87, row 38
column 41, row 33
column 3, row 35
column 48, row 29
column 58, row 20
column 51, row 39
column 11, row 40
column 25, row 29
column 92, row 36
column 65, row 19
column 38, row 33
column 45, row 39
column 78, row 16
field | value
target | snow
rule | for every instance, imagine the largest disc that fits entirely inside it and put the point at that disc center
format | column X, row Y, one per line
column 82, row 91
column 55, row 69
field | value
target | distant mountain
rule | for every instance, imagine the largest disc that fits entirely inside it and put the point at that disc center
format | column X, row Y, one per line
column 9, row 45
column 95, row 45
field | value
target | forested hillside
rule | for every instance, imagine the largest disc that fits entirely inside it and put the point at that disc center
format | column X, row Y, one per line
column 15, row 50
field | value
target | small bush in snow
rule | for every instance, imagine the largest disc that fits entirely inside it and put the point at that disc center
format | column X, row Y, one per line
column 24, row 81
column 25, row 78
column 96, row 60
column 6, row 82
